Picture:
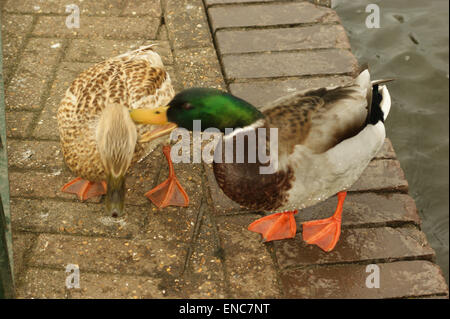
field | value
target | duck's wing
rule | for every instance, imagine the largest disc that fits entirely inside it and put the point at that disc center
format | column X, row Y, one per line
column 320, row 118
column 142, row 80
column 133, row 79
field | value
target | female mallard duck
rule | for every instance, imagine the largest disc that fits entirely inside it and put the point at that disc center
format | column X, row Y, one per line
column 98, row 138
column 326, row 138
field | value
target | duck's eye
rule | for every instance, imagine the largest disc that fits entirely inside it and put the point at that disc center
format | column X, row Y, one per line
column 187, row 106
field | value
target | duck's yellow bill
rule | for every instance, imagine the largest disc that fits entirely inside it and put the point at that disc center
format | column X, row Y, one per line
column 159, row 131
column 150, row 116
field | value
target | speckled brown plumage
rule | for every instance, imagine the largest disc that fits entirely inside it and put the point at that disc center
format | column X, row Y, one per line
column 298, row 116
column 136, row 79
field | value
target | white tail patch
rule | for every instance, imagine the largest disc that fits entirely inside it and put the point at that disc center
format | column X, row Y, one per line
column 363, row 79
column 386, row 101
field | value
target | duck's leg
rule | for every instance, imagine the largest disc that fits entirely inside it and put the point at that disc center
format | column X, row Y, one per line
column 325, row 232
column 169, row 192
column 84, row 189
column 275, row 226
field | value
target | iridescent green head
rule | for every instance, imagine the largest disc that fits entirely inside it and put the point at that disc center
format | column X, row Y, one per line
column 213, row 107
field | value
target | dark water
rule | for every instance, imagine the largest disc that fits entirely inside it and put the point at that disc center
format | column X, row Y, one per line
column 412, row 46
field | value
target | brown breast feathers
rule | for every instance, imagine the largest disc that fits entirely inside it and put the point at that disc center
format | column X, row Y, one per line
column 243, row 183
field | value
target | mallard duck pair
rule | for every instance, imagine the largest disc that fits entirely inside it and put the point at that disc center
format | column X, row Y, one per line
column 326, row 138
column 118, row 111
column 98, row 138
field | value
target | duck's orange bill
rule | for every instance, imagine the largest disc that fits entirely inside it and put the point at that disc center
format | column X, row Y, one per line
column 325, row 233
column 275, row 226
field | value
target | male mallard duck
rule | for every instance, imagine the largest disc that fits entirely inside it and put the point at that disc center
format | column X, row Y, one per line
column 326, row 138
column 98, row 138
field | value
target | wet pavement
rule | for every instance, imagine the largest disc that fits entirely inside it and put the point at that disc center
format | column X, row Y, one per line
column 258, row 51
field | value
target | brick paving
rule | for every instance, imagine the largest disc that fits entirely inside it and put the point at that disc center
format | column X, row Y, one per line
column 256, row 49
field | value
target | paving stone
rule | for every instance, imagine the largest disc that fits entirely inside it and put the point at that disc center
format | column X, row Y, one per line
column 193, row 286
column 30, row 154
column 109, row 286
column 143, row 7
column 162, row 33
column 357, row 245
column 46, row 125
column 244, row 256
column 269, row 14
column 154, row 257
column 84, row 50
column 47, row 121
column 366, row 210
column 99, row 7
column 283, row 64
column 22, row 242
column 14, row 29
column 98, row 27
column 261, row 93
column 43, row 284
column 203, row 275
column 174, row 78
column 186, row 24
column 433, row 297
column 18, row 123
column 204, row 265
column 33, row 74
column 30, row 184
column 386, row 151
column 199, row 67
column 300, row 38
column 213, row 2
column 382, row 175
column 325, row 3
column 404, row 279
column 74, row 218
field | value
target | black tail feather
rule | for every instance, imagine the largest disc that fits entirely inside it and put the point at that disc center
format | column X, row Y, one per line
column 376, row 113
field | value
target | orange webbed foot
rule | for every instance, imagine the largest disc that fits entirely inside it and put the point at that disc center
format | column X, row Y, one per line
column 325, row 233
column 84, row 189
column 169, row 192
column 275, row 226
